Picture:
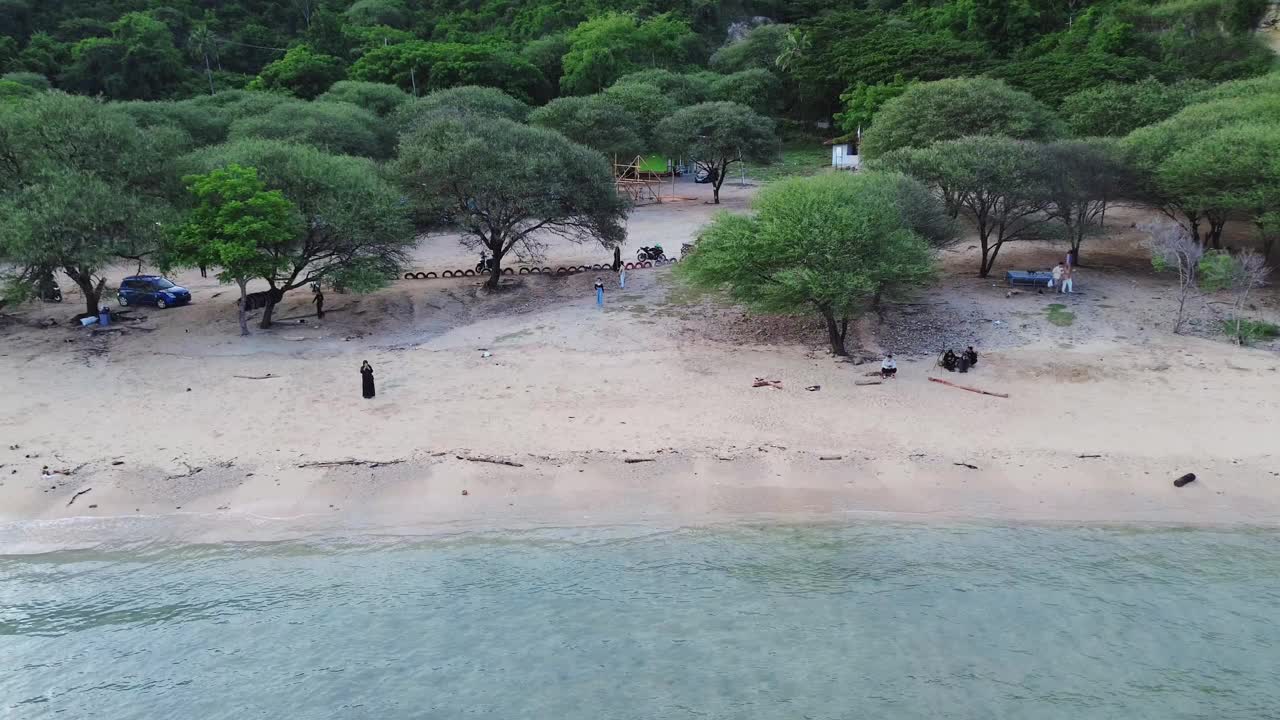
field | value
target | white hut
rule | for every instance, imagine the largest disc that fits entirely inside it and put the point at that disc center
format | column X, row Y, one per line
column 844, row 151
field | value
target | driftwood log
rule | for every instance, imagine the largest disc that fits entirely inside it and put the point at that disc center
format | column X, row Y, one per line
column 490, row 460
column 360, row 463
column 1185, row 480
column 970, row 389
column 73, row 497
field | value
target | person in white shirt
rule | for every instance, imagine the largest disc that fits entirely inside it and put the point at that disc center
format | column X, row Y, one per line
column 1056, row 281
column 888, row 368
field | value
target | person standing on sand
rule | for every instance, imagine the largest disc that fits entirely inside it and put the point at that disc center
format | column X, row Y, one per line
column 318, row 299
column 1068, row 280
column 599, row 292
column 366, row 372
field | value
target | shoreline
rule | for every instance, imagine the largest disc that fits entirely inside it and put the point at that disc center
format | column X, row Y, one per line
column 423, row 497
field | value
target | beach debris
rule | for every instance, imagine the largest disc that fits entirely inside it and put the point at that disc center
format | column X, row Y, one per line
column 490, row 460
column 464, row 492
column 191, row 471
column 117, row 462
column 970, row 389
column 814, row 388
column 633, row 461
column 830, row 457
column 73, row 497
column 864, row 383
column 966, row 465
column 1185, row 480
column 486, row 354
column 93, row 507
column 1087, row 457
column 268, row 376
column 764, row 382
column 349, row 461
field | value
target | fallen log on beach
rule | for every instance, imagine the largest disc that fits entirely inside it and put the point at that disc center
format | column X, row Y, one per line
column 338, row 463
column 490, row 460
column 970, row 389
column 73, row 497
column 1185, row 480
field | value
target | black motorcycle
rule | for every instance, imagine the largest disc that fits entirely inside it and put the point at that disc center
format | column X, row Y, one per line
column 48, row 290
column 486, row 264
column 654, row 253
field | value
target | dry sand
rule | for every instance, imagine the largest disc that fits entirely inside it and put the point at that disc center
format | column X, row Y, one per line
column 166, row 425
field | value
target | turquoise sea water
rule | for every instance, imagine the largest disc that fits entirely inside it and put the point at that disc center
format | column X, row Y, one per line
column 865, row 621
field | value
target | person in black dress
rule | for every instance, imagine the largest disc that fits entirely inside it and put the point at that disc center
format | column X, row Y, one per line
column 318, row 299
column 366, row 372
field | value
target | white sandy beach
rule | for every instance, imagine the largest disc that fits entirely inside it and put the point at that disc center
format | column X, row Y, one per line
column 159, row 424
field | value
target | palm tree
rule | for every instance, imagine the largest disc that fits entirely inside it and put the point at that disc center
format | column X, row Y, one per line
column 204, row 44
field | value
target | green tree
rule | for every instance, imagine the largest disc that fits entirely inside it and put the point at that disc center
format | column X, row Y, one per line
column 717, row 134
column 507, row 186
column 863, row 101
column 547, row 54
column 421, row 67
column 1117, row 109
column 81, row 186
column 759, row 48
column 202, row 126
column 236, row 225
column 355, row 230
column 35, row 81
column 949, row 109
column 997, row 183
column 301, row 72
column 758, row 89
column 1081, row 177
column 12, row 92
column 138, row 62
column 831, row 244
column 609, row 46
column 338, row 128
column 391, row 13
column 43, row 55
column 595, row 121
column 203, row 45
column 481, row 102
column 684, row 89
column 647, row 104
column 378, row 98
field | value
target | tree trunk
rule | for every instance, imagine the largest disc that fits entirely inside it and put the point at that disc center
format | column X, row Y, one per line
column 836, row 332
column 273, row 296
column 208, row 71
column 715, row 185
column 495, row 275
column 92, row 291
column 244, row 300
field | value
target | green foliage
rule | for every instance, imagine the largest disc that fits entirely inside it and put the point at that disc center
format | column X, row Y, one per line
column 794, row 160
column 760, row 48
column 378, row 98
column 138, row 62
column 595, row 121
column 35, row 81
column 238, row 226
column 43, row 55
column 235, row 104
column 1116, row 109
column 353, row 221
column 12, row 92
column 1249, row 332
column 506, row 185
column 606, row 47
column 758, row 89
column 201, row 125
column 646, row 103
column 835, row 244
column 390, row 13
column 81, row 185
column 684, row 89
column 1057, row 314
column 480, row 102
column 947, row 109
column 338, row 128
column 434, row 66
column 863, row 101
column 301, row 72
column 717, row 134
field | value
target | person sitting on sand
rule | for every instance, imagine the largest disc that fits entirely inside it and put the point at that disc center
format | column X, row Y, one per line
column 949, row 360
column 888, row 368
column 972, row 356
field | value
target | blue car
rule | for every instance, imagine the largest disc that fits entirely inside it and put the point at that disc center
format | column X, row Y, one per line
column 152, row 290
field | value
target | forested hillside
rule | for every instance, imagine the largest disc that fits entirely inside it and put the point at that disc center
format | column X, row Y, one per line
column 536, row 50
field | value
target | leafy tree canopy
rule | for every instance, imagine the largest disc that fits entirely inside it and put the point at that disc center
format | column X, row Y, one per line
column 595, row 121
column 717, row 134
column 301, row 72
column 338, row 128
column 378, row 98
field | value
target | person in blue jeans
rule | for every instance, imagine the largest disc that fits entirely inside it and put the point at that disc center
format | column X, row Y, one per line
column 599, row 292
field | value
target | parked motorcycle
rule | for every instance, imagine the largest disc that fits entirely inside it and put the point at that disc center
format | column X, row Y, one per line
column 486, row 264
column 47, row 289
column 654, row 253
